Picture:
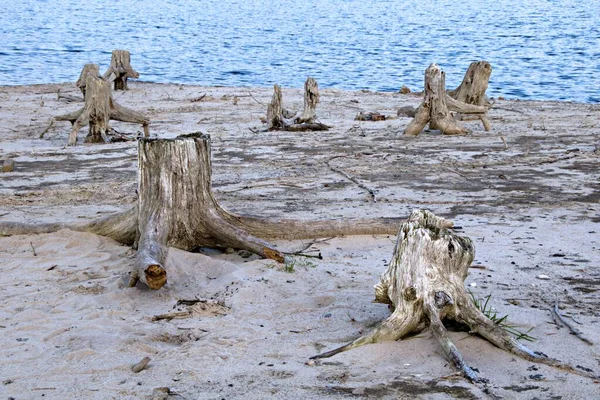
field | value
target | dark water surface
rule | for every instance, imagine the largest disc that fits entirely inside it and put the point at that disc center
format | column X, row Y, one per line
column 538, row 49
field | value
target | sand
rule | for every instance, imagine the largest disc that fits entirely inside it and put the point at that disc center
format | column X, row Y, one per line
column 71, row 329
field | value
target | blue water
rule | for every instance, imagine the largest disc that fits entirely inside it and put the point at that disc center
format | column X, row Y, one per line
column 538, row 49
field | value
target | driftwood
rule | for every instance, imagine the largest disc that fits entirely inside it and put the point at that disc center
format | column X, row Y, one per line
column 120, row 69
column 436, row 106
column 473, row 87
column 99, row 108
column 279, row 118
column 176, row 207
column 424, row 284
column 88, row 69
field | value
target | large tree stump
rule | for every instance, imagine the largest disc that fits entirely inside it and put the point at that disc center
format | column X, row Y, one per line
column 177, row 207
column 436, row 106
column 473, row 87
column 88, row 69
column 279, row 118
column 424, row 284
column 99, row 108
column 120, row 69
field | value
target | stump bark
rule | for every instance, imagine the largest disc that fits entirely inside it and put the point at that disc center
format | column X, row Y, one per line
column 473, row 87
column 436, row 106
column 99, row 108
column 120, row 69
column 88, row 69
column 275, row 119
column 424, row 285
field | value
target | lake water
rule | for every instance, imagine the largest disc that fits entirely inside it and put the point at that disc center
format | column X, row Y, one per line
column 538, row 49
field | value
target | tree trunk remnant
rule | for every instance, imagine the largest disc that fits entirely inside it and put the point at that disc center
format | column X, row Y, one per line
column 88, row 69
column 99, row 108
column 311, row 99
column 473, row 87
column 279, row 118
column 176, row 207
column 275, row 119
column 424, row 284
column 120, row 69
column 436, row 106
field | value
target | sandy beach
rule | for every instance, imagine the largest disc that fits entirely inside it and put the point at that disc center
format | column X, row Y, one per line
column 527, row 193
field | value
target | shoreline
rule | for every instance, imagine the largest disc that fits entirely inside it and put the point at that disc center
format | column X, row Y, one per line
column 530, row 203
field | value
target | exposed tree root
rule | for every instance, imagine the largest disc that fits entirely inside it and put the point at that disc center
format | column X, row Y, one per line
column 424, row 285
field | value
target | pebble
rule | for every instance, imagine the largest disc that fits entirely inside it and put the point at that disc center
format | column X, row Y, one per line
column 473, row 284
column 544, row 277
column 8, row 165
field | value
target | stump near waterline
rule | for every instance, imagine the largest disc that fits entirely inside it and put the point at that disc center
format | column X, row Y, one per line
column 99, row 108
column 436, row 106
column 120, row 69
column 424, row 284
column 88, row 69
column 473, row 87
column 280, row 119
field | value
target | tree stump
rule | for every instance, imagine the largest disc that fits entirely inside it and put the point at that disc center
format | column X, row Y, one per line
column 473, row 87
column 177, row 207
column 99, row 108
column 424, row 284
column 120, row 69
column 275, row 119
column 436, row 106
column 311, row 99
column 88, row 69
column 279, row 118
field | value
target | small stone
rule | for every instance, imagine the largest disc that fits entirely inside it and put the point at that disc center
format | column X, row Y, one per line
column 473, row 284
column 404, row 90
column 310, row 363
column 8, row 165
column 407, row 111
column 543, row 277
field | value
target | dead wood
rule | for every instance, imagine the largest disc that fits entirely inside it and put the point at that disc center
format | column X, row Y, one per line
column 436, row 106
column 120, row 69
column 141, row 365
column 369, row 116
column 473, row 87
column 556, row 312
column 424, row 285
column 279, row 118
column 311, row 99
column 99, row 108
column 88, row 69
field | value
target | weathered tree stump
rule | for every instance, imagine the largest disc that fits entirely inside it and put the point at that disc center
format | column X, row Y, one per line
column 120, row 69
column 177, row 207
column 88, row 69
column 436, row 106
column 275, row 118
column 473, row 87
column 279, row 118
column 424, row 284
column 99, row 108
column 311, row 99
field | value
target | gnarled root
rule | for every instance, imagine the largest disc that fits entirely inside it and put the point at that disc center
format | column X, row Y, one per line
column 424, row 284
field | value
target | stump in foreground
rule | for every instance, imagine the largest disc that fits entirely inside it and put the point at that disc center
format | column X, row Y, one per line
column 120, row 69
column 473, row 87
column 99, row 108
column 424, row 284
column 88, row 69
column 176, row 207
column 436, row 106
column 280, row 119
